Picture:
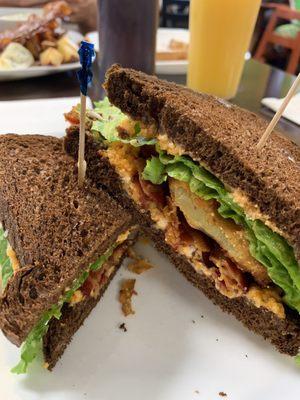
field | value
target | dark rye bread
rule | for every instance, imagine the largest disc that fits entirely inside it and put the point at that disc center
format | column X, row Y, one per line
column 99, row 170
column 103, row 174
column 282, row 333
column 223, row 138
column 56, row 229
column 61, row 331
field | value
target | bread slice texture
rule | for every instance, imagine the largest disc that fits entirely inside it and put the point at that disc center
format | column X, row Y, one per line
column 61, row 331
column 56, row 229
column 284, row 334
column 222, row 137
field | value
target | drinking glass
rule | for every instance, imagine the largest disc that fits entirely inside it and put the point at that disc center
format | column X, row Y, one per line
column 127, row 34
column 220, row 34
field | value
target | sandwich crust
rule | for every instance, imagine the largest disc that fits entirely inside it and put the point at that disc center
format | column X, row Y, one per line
column 222, row 137
column 56, row 229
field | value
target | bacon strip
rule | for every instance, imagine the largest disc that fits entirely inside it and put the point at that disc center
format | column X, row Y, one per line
column 229, row 280
column 153, row 192
column 125, row 295
column 72, row 116
column 94, row 282
column 36, row 25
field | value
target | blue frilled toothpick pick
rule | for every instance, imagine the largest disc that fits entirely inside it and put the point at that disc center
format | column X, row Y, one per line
column 85, row 75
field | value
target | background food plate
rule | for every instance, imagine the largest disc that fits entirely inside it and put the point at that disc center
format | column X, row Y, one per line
column 37, row 70
column 164, row 35
column 34, row 71
column 178, row 345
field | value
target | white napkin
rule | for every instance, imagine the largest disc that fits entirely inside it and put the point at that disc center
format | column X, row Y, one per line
column 291, row 112
column 41, row 116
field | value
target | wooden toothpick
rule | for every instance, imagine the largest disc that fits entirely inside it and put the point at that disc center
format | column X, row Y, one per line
column 81, row 160
column 278, row 114
column 86, row 55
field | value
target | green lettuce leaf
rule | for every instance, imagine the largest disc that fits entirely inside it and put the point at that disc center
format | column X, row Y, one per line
column 179, row 171
column 111, row 118
column 266, row 246
column 33, row 343
column 154, row 171
column 5, row 263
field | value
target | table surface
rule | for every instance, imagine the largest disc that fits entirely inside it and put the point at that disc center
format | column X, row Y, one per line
column 258, row 81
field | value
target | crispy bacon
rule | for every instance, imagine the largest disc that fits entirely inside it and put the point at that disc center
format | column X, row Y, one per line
column 125, row 295
column 36, row 26
column 185, row 233
column 153, row 192
column 173, row 232
column 148, row 193
column 142, row 198
column 57, row 9
column 87, row 287
column 139, row 266
column 94, row 281
column 229, row 280
column 72, row 117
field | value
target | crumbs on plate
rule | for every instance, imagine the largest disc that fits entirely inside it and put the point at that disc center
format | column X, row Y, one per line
column 123, row 327
column 138, row 265
column 125, row 295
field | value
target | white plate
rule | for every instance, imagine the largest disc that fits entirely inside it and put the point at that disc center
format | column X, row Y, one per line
column 39, row 116
column 292, row 110
column 164, row 355
column 164, row 35
column 35, row 71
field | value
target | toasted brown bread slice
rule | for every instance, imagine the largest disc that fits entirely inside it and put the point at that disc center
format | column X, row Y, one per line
column 223, row 138
column 61, row 331
column 56, row 229
column 284, row 334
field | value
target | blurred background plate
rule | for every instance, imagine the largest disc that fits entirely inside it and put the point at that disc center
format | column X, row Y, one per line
column 164, row 36
column 11, row 16
column 38, row 70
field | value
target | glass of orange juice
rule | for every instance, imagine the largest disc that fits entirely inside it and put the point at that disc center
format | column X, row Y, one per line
column 220, row 34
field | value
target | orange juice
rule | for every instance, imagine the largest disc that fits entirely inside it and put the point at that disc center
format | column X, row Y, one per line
column 220, row 34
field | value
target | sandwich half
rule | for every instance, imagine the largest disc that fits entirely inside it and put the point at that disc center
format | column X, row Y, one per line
column 60, row 246
column 226, row 214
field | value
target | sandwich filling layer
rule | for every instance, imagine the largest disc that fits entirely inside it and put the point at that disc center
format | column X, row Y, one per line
column 199, row 216
column 190, row 238
column 88, row 284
